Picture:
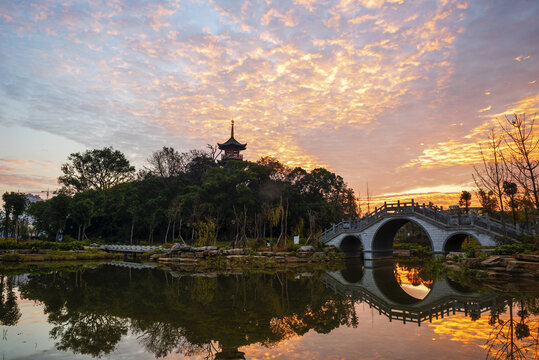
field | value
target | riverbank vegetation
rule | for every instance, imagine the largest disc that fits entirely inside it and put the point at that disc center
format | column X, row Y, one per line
column 59, row 255
column 183, row 197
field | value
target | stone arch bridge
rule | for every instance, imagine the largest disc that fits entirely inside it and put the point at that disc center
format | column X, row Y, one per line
column 373, row 235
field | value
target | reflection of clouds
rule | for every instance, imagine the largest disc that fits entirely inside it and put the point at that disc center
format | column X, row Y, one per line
column 307, row 81
column 458, row 327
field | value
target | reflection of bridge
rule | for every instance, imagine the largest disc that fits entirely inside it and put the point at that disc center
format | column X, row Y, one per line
column 132, row 265
column 379, row 288
column 129, row 249
column 374, row 233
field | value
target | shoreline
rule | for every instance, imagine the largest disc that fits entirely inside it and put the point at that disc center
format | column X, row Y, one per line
column 215, row 257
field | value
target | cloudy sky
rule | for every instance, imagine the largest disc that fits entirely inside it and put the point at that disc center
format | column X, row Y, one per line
column 394, row 93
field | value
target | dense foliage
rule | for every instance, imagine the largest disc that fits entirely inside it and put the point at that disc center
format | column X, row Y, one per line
column 192, row 197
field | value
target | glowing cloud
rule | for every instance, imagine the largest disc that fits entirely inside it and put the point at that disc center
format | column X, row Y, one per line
column 352, row 85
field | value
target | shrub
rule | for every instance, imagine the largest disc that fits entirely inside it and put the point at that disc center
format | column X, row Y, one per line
column 292, row 247
column 528, row 239
column 256, row 243
column 422, row 250
column 34, row 246
column 12, row 257
column 504, row 240
column 510, row 249
column 469, row 245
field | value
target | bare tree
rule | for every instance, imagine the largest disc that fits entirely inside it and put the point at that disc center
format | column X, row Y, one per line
column 522, row 146
column 213, row 151
column 167, row 163
column 493, row 172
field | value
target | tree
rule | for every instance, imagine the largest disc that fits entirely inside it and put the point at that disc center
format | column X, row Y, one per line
column 488, row 201
column 510, row 189
column 493, row 172
column 98, row 169
column 465, row 198
column 3, row 223
column 50, row 216
column 81, row 210
column 8, row 208
column 523, row 146
column 15, row 204
column 169, row 165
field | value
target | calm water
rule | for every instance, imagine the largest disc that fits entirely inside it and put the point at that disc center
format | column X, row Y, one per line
column 392, row 311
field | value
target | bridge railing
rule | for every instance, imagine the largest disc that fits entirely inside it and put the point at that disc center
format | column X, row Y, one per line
column 129, row 248
column 435, row 213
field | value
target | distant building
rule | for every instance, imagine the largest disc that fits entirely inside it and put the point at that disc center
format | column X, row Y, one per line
column 33, row 198
column 232, row 147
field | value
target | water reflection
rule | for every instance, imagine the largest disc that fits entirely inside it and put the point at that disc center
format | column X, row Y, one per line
column 206, row 315
column 9, row 309
column 217, row 316
column 515, row 336
column 410, row 279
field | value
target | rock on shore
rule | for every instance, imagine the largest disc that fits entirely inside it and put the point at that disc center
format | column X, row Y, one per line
column 184, row 254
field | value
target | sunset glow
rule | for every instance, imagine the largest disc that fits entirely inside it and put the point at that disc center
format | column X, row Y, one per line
column 396, row 94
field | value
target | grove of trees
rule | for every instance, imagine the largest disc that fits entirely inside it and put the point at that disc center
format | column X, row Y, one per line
column 191, row 197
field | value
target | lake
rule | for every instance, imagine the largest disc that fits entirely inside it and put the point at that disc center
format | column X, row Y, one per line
column 388, row 310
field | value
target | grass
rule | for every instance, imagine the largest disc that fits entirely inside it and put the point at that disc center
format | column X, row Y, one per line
column 34, row 246
column 60, row 255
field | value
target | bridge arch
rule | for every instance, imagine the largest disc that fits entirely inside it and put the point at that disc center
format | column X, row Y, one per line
column 382, row 243
column 455, row 240
column 352, row 245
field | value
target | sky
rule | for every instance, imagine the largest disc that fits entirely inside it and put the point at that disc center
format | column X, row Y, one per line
column 397, row 94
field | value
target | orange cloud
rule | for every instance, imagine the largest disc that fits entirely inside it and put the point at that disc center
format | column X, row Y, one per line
column 467, row 150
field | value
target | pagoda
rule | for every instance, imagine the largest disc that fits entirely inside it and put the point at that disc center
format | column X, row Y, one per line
column 232, row 147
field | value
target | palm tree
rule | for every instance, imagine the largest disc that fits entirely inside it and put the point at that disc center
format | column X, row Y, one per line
column 465, row 199
column 510, row 189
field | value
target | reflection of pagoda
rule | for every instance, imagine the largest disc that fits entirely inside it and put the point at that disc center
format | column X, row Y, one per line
column 232, row 147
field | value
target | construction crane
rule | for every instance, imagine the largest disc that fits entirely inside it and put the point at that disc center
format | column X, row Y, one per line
column 46, row 191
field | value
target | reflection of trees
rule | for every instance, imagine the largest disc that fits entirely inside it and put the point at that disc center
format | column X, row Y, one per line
column 162, row 338
column 87, row 333
column 513, row 338
column 411, row 273
column 9, row 309
column 192, row 315
column 81, row 322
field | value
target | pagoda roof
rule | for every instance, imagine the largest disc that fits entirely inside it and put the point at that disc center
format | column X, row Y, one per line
column 232, row 143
